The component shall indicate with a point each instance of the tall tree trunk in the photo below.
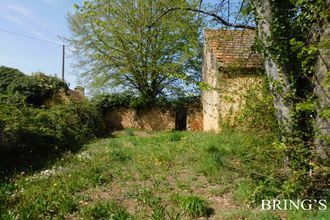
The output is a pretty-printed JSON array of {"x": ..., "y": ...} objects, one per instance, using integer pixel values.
[
  {"x": 278, "y": 81},
  {"x": 322, "y": 91}
]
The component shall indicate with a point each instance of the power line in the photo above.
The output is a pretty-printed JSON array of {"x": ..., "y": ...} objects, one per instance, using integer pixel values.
[
  {"x": 39, "y": 39},
  {"x": 29, "y": 37}
]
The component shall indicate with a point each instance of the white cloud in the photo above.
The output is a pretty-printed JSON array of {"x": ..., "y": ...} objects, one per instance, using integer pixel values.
[
  {"x": 20, "y": 10},
  {"x": 31, "y": 21},
  {"x": 13, "y": 19},
  {"x": 26, "y": 18}
]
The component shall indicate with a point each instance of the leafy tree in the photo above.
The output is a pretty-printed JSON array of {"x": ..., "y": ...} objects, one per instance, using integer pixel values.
[{"x": 118, "y": 47}]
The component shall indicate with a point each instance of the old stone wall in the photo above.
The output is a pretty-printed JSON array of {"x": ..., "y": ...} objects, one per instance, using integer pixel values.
[
  {"x": 154, "y": 119},
  {"x": 151, "y": 119},
  {"x": 232, "y": 96},
  {"x": 210, "y": 96},
  {"x": 195, "y": 119},
  {"x": 225, "y": 104}
]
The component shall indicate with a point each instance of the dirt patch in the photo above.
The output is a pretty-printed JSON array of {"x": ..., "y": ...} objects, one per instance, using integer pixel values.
[{"x": 220, "y": 200}]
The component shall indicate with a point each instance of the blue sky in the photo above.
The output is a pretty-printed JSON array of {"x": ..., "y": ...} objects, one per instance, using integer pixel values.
[{"x": 43, "y": 19}]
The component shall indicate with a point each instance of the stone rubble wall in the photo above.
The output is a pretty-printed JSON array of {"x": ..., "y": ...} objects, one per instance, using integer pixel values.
[
  {"x": 195, "y": 119},
  {"x": 152, "y": 119}
]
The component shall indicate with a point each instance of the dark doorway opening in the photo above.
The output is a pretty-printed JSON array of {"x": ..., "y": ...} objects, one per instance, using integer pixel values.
[{"x": 181, "y": 119}]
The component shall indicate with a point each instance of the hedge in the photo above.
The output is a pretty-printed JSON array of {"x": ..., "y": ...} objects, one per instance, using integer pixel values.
[
  {"x": 7, "y": 76},
  {"x": 28, "y": 133},
  {"x": 37, "y": 88}
]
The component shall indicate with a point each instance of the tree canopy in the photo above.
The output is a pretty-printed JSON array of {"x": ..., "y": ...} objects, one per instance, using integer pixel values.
[{"x": 118, "y": 48}]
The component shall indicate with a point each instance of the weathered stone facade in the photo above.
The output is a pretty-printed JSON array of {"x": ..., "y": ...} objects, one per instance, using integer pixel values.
[
  {"x": 227, "y": 66},
  {"x": 195, "y": 119},
  {"x": 210, "y": 97},
  {"x": 151, "y": 119},
  {"x": 154, "y": 119}
]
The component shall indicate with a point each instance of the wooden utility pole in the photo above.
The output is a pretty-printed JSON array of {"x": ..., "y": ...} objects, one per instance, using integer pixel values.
[{"x": 63, "y": 61}]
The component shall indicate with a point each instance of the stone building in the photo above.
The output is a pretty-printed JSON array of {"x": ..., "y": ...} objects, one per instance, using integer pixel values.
[{"x": 229, "y": 70}]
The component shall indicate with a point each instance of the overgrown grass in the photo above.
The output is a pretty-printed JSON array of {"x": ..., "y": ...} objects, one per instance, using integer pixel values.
[
  {"x": 194, "y": 206},
  {"x": 164, "y": 175},
  {"x": 105, "y": 210}
]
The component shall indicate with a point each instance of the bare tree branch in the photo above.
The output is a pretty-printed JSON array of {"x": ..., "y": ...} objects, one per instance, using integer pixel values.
[{"x": 215, "y": 16}]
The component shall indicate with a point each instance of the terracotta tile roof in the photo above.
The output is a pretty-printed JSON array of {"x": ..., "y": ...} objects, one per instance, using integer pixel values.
[{"x": 233, "y": 47}]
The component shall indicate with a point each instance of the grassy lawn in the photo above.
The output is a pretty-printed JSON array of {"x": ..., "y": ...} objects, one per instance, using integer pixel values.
[{"x": 144, "y": 175}]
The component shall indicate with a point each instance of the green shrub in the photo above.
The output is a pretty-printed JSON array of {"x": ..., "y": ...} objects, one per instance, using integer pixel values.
[
  {"x": 267, "y": 178},
  {"x": 7, "y": 76},
  {"x": 259, "y": 111},
  {"x": 37, "y": 88},
  {"x": 106, "y": 102},
  {"x": 31, "y": 134},
  {"x": 127, "y": 99},
  {"x": 62, "y": 124}
]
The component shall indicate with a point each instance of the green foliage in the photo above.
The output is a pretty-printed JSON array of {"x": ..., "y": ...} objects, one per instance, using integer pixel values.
[
  {"x": 120, "y": 155},
  {"x": 161, "y": 179},
  {"x": 7, "y": 76},
  {"x": 28, "y": 134},
  {"x": 158, "y": 212},
  {"x": 213, "y": 161},
  {"x": 259, "y": 112},
  {"x": 106, "y": 210},
  {"x": 106, "y": 102},
  {"x": 41, "y": 208},
  {"x": 325, "y": 113},
  {"x": 267, "y": 178},
  {"x": 175, "y": 136},
  {"x": 308, "y": 107},
  {"x": 37, "y": 88},
  {"x": 194, "y": 206},
  {"x": 296, "y": 28},
  {"x": 134, "y": 49}
]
